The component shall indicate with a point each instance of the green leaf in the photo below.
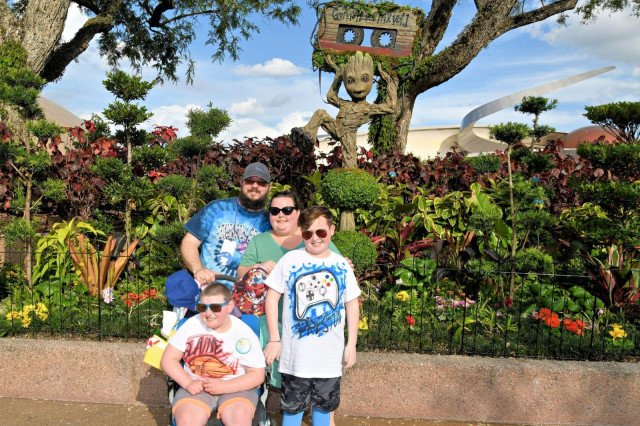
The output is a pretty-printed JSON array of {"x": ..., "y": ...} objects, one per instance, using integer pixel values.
[{"x": 558, "y": 305}]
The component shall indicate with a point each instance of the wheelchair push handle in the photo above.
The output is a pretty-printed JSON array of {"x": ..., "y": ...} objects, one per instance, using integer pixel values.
[{"x": 223, "y": 277}]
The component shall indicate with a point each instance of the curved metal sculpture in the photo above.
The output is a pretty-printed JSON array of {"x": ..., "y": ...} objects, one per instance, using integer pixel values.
[{"x": 471, "y": 142}]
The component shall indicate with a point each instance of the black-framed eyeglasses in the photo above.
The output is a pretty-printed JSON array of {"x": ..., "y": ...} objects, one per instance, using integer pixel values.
[
  {"x": 214, "y": 307},
  {"x": 275, "y": 211},
  {"x": 321, "y": 233}
]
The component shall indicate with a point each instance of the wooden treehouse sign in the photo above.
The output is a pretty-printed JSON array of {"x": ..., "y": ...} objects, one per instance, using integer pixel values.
[{"x": 343, "y": 27}]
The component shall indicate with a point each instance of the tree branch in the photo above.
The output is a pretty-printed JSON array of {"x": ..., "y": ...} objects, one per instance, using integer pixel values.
[
  {"x": 541, "y": 13},
  {"x": 87, "y": 4},
  {"x": 480, "y": 4},
  {"x": 435, "y": 26},
  {"x": 161, "y": 8},
  {"x": 487, "y": 25},
  {"x": 187, "y": 15},
  {"x": 8, "y": 21},
  {"x": 69, "y": 51}
]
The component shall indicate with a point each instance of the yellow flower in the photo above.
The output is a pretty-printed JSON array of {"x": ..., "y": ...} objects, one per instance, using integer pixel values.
[
  {"x": 27, "y": 310},
  {"x": 26, "y": 321},
  {"x": 617, "y": 331},
  {"x": 41, "y": 308},
  {"x": 42, "y": 311},
  {"x": 402, "y": 296},
  {"x": 13, "y": 315},
  {"x": 362, "y": 324}
]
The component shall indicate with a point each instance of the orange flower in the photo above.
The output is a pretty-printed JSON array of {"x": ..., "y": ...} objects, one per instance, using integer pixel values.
[
  {"x": 576, "y": 326},
  {"x": 410, "y": 320},
  {"x": 554, "y": 321},
  {"x": 549, "y": 317}
]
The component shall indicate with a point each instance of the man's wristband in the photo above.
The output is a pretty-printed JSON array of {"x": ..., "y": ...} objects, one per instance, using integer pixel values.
[{"x": 274, "y": 341}]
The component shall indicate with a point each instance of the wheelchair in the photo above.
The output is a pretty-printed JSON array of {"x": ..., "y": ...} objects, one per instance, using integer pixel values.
[{"x": 260, "y": 417}]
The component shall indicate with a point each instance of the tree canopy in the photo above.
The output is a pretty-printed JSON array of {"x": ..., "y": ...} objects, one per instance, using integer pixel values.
[{"x": 154, "y": 33}]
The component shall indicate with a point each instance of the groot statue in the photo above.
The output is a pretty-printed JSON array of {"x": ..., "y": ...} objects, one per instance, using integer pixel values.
[{"x": 357, "y": 75}]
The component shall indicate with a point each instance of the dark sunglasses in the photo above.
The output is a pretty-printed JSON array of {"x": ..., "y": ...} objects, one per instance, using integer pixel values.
[
  {"x": 321, "y": 233},
  {"x": 260, "y": 183},
  {"x": 215, "y": 307},
  {"x": 275, "y": 211}
]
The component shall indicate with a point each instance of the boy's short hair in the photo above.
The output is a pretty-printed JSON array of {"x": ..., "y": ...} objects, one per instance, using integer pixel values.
[
  {"x": 217, "y": 289},
  {"x": 310, "y": 214}
]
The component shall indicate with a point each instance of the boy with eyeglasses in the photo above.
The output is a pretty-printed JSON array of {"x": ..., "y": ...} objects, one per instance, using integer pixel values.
[
  {"x": 223, "y": 363},
  {"x": 320, "y": 296}
]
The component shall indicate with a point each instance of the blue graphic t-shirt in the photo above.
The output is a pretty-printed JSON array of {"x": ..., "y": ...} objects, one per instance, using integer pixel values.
[
  {"x": 315, "y": 291},
  {"x": 225, "y": 228}
]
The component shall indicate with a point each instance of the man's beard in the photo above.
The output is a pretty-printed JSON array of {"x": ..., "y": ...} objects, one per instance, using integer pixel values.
[{"x": 249, "y": 204}]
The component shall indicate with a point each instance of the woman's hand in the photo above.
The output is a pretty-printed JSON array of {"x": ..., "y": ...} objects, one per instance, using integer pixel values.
[{"x": 267, "y": 266}]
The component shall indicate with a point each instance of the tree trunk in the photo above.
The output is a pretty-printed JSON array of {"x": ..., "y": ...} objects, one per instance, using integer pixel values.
[
  {"x": 42, "y": 26},
  {"x": 347, "y": 221},
  {"x": 402, "y": 123},
  {"x": 514, "y": 240},
  {"x": 27, "y": 219}
]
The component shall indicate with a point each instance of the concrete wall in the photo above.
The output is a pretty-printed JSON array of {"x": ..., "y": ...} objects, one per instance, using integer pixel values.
[{"x": 389, "y": 385}]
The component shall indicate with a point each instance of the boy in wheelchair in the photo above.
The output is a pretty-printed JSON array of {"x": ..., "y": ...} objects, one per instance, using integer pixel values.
[{"x": 223, "y": 363}]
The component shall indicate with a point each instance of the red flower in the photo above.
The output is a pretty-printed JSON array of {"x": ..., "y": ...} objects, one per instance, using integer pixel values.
[
  {"x": 576, "y": 326},
  {"x": 553, "y": 322},
  {"x": 549, "y": 317},
  {"x": 410, "y": 320},
  {"x": 508, "y": 302}
]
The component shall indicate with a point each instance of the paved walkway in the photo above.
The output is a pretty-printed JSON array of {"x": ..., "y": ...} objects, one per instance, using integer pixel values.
[{"x": 18, "y": 412}]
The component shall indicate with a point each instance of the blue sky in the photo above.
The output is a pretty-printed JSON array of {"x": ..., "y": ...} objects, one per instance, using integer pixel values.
[{"x": 272, "y": 88}]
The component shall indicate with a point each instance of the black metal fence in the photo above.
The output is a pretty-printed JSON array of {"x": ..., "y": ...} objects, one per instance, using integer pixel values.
[{"x": 436, "y": 311}]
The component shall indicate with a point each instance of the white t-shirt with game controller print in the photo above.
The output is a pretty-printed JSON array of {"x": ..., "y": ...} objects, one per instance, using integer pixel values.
[{"x": 315, "y": 291}]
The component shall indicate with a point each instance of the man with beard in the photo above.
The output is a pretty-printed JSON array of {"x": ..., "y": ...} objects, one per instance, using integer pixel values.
[{"x": 224, "y": 228}]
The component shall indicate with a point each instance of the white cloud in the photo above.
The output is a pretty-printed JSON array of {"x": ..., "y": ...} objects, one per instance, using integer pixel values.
[
  {"x": 611, "y": 37},
  {"x": 273, "y": 67},
  {"x": 75, "y": 20},
  {"x": 243, "y": 128},
  {"x": 170, "y": 115},
  {"x": 291, "y": 120},
  {"x": 249, "y": 107}
]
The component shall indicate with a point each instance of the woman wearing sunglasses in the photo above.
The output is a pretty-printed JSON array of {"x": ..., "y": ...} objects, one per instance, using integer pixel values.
[{"x": 266, "y": 249}]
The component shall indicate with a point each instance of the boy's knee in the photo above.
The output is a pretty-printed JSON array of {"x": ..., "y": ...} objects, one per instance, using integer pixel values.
[
  {"x": 239, "y": 413},
  {"x": 190, "y": 414}
]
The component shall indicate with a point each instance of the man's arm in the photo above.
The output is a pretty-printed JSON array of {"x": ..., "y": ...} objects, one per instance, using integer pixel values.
[
  {"x": 352, "y": 308},
  {"x": 189, "y": 249}
]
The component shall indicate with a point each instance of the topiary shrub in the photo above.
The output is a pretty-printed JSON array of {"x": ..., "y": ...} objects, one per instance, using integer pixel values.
[
  {"x": 485, "y": 163},
  {"x": 349, "y": 189},
  {"x": 357, "y": 247}
]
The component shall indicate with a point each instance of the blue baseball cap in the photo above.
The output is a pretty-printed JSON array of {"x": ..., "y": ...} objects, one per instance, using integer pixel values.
[{"x": 182, "y": 290}]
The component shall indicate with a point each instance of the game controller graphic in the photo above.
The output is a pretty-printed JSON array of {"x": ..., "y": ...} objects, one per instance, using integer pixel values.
[{"x": 315, "y": 288}]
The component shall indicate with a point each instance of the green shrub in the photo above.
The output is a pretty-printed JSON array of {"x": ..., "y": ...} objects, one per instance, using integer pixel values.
[
  {"x": 485, "y": 163},
  {"x": 349, "y": 189},
  {"x": 533, "y": 260},
  {"x": 357, "y": 247}
]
